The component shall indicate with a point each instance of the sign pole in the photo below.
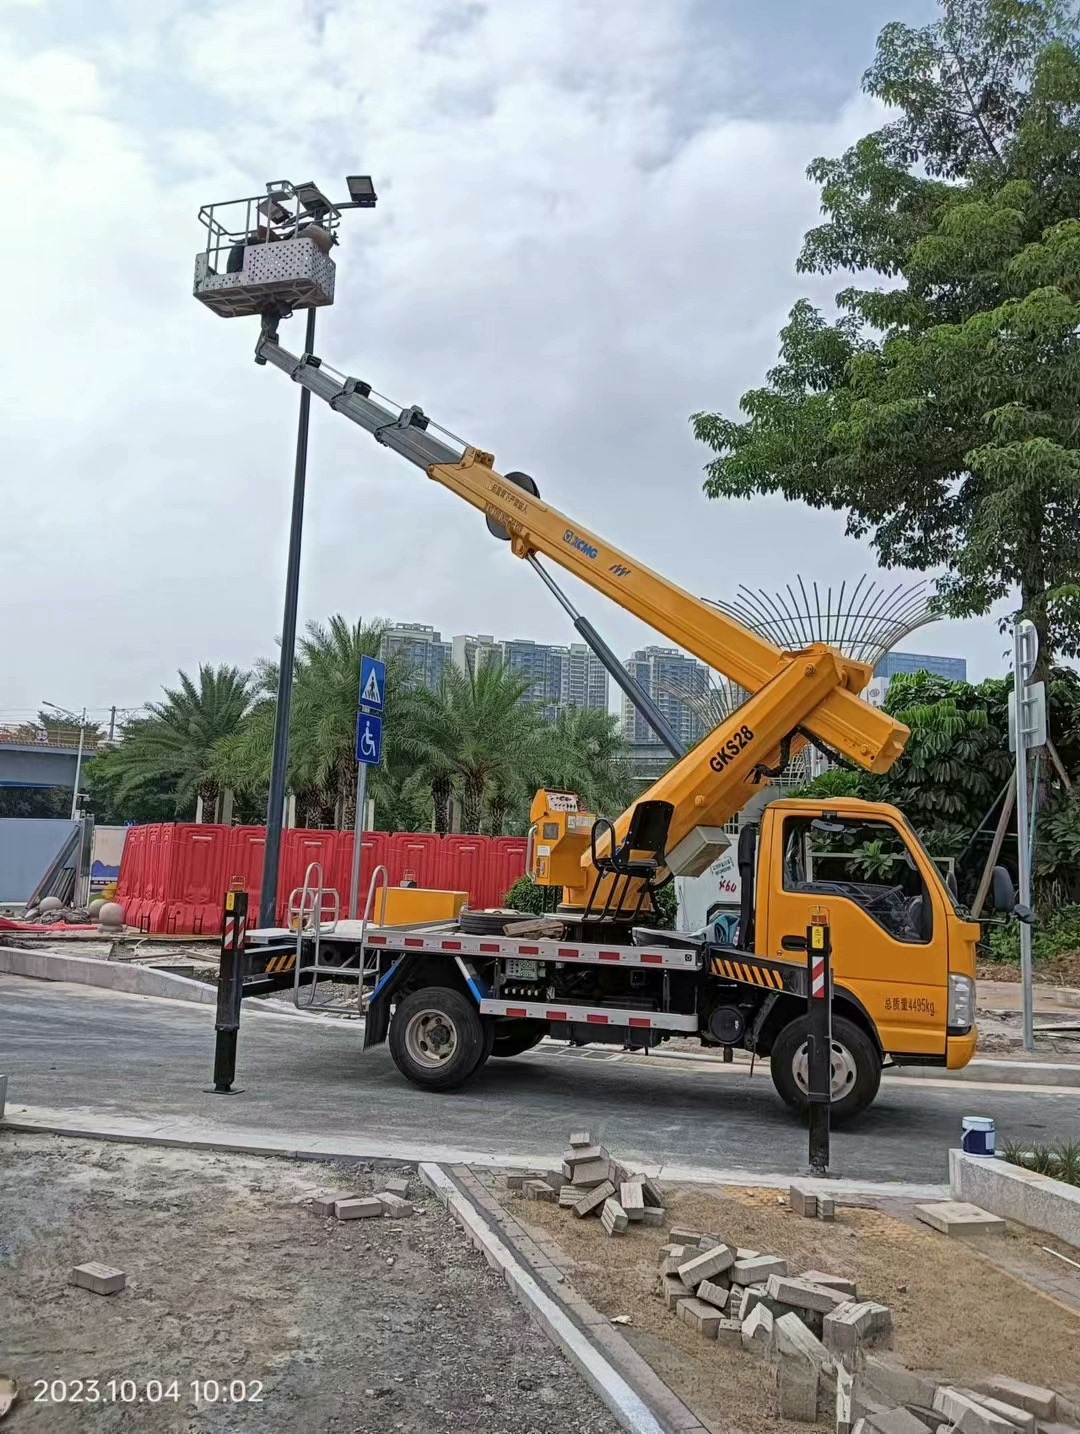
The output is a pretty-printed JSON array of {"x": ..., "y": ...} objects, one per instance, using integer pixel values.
[
  {"x": 358, "y": 840},
  {"x": 1025, "y": 651},
  {"x": 819, "y": 1040},
  {"x": 368, "y": 754}
]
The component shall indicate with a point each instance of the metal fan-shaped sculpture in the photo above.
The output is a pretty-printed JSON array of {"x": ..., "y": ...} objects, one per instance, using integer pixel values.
[{"x": 864, "y": 620}]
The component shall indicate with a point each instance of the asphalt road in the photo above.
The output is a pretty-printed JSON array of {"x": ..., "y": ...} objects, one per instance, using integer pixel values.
[{"x": 77, "y": 1048}]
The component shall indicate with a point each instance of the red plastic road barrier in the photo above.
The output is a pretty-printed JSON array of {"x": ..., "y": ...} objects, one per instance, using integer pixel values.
[{"x": 174, "y": 875}]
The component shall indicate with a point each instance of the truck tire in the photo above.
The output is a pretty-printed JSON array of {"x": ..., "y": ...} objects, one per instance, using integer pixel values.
[
  {"x": 856, "y": 1067},
  {"x": 438, "y": 1039},
  {"x": 488, "y": 923},
  {"x": 514, "y": 1038}
]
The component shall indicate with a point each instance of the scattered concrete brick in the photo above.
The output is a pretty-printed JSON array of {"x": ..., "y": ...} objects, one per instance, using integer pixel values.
[
  {"x": 845, "y": 1384},
  {"x": 892, "y": 1385},
  {"x": 653, "y": 1214},
  {"x": 580, "y": 1140},
  {"x": 594, "y": 1199},
  {"x": 364, "y": 1207},
  {"x": 681, "y": 1235},
  {"x": 729, "y": 1332},
  {"x": 757, "y": 1270},
  {"x": 519, "y": 1177},
  {"x": 1037, "y": 1401},
  {"x": 706, "y": 1265},
  {"x": 591, "y": 1173},
  {"x": 394, "y": 1205},
  {"x": 327, "y": 1204},
  {"x": 676, "y": 1255},
  {"x": 713, "y": 1294},
  {"x": 793, "y": 1338},
  {"x": 555, "y": 1178},
  {"x": 1021, "y": 1419},
  {"x": 653, "y": 1192},
  {"x": 801, "y": 1295},
  {"x": 672, "y": 1290},
  {"x": 802, "y": 1202},
  {"x": 754, "y": 1295},
  {"x": 854, "y": 1325},
  {"x": 1052, "y": 1428},
  {"x": 699, "y": 1316},
  {"x": 960, "y": 1220},
  {"x": 569, "y": 1195},
  {"x": 757, "y": 1331},
  {"x": 826, "y": 1207},
  {"x": 400, "y": 1187},
  {"x": 613, "y": 1216},
  {"x": 736, "y": 1305},
  {"x": 539, "y": 1190},
  {"x": 617, "y": 1174},
  {"x": 831, "y": 1282},
  {"x": 102, "y": 1279},
  {"x": 741, "y": 1254},
  {"x": 967, "y": 1414},
  {"x": 632, "y": 1199},
  {"x": 898, "y": 1421},
  {"x": 579, "y": 1155},
  {"x": 797, "y": 1384}
]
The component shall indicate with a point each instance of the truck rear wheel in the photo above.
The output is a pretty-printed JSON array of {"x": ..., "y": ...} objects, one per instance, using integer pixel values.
[
  {"x": 856, "y": 1067},
  {"x": 514, "y": 1038},
  {"x": 438, "y": 1039}
]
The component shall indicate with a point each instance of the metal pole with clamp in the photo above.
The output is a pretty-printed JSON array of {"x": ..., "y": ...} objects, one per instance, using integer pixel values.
[
  {"x": 819, "y": 1038},
  {"x": 230, "y": 989}
]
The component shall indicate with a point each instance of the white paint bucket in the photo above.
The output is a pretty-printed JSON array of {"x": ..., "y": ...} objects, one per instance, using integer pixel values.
[{"x": 979, "y": 1135}]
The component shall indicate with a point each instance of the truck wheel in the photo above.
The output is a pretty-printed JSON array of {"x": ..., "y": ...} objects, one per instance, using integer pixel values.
[
  {"x": 514, "y": 1038},
  {"x": 856, "y": 1067},
  {"x": 437, "y": 1038}
]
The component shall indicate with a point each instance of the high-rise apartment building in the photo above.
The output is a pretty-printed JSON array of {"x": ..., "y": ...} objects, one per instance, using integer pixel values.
[
  {"x": 666, "y": 673},
  {"x": 584, "y": 678},
  {"x": 893, "y": 663},
  {"x": 423, "y": 649},
  {"x": 468, "y": 653}
]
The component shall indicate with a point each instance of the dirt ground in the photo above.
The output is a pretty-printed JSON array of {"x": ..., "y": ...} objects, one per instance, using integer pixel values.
[
  {"x": 364, "y": 1327},
  {"x": 956, "y": 1314}
]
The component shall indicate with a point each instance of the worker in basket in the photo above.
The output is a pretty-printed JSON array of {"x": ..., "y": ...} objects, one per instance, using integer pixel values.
[{"x": 267, "y": 233}]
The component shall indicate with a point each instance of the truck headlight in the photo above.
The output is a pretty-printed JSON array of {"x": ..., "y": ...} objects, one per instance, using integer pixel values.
[{"x": 961, "y": 1003}]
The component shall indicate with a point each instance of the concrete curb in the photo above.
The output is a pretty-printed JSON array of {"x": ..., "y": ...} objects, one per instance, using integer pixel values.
[
  {"x": 131, "y": 979},
  {"x": 110, "y": 975},
  {"x": 91, "y": 1125},
  {"x": 631, "y": 1411},
  {"x": 1037, "y": 1201}
]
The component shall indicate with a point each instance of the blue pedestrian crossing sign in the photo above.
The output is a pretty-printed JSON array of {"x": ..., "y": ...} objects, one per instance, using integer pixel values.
[
  {"x": 368, "y": 739},
  {"x": 372, "y": 683}
]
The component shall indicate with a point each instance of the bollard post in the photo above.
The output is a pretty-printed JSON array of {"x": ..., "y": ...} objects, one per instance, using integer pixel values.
[
  {"x": 230, "y": 989},
  {"x": 819, "y": 1038}
]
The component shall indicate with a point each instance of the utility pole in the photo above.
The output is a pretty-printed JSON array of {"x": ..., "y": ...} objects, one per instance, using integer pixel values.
[{"x": 1028, "y": 730}]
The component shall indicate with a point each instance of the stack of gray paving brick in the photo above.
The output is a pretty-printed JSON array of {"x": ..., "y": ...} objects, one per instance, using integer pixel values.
[{"x": 591, "y": 1182}]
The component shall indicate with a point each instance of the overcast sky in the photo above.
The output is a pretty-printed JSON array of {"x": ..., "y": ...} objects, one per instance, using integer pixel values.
[{"x": 589, "y": 212}]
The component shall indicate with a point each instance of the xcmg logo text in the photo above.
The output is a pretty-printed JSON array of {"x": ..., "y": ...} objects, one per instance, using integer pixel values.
[{"x": 579, "y": 543}]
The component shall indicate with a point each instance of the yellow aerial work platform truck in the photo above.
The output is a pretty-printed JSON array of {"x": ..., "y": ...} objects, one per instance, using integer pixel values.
[{"x": 450, "y": 997}]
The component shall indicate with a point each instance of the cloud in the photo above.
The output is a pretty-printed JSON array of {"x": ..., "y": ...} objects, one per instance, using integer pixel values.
[{"x": 578, "y": 243}]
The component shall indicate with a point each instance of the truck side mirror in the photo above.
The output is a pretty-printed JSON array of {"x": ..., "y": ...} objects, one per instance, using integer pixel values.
[
  {"x": 1002, "y": 890},
  {"x": 1024, "y": 914}
]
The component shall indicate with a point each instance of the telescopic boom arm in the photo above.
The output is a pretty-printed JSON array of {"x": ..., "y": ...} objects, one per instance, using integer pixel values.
[{"x": 839, "y": 718}]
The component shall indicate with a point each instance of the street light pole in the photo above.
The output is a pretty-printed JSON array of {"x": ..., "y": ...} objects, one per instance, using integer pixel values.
[
  {"x": 275, "y": 804},
  {"x": 78, "y": 767}
]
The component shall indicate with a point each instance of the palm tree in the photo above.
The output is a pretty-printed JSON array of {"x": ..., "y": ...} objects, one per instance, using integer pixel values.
[
  {"x": 322, "y": 737},
  {"x": 480, "y": 741},
  {"x": 175, "y": 743},
  {"x": 586, "y": 753}
]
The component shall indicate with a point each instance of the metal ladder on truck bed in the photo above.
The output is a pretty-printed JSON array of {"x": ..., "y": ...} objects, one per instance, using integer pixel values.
[{"x": 307, "y": 905}]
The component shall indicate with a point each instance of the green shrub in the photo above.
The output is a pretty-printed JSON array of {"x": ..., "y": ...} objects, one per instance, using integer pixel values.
[
  {"x": 1058, "y": 935},
  {"x": 525, "y": 895},
  {"x": 1061, "y": 1160}
]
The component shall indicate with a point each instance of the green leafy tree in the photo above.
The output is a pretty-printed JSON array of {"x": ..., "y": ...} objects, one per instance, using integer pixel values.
[
  {"x": 173, "y": 747},
  {"x": 938, "y": 409}
]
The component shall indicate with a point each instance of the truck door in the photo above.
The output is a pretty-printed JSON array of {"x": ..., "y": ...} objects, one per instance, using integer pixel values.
[{"x": 889, "y": 927}]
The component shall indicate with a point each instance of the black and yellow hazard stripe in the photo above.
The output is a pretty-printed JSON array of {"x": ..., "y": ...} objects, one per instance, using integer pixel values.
[
  {"x": 281, "y": 963},
  {"x": 749, "y": 973}
]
